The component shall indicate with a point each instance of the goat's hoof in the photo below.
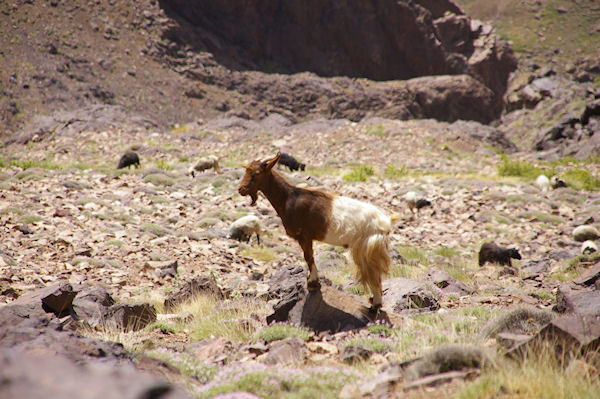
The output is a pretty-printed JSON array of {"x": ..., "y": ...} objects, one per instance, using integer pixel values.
[
  {"x": 374, "y": 309},
  {"x": 313, "y": 285}
]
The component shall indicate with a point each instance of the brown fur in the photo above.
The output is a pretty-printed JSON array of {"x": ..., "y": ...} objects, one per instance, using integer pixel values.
[{"x": 303, "y": 212}]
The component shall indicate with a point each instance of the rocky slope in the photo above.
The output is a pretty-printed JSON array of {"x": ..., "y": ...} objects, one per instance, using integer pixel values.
[
  {"x": 175, "y": 61},
  {"x": 97, "y": 264}
]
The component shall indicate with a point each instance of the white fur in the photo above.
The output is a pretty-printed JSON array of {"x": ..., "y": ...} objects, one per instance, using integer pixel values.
[
  {"x": 589, "y": 247},
  {"x": 248, "y": 224},
  {"x": 352, "y": 221},
  {"x": 543, "y": 183},
  {"x": 207, "y": 162},
  {"x": 364, "y": 229}
]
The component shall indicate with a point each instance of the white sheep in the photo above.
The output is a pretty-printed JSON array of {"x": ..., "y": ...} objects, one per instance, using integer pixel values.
[
  {"x": 207, "y": 162},
  {"x": 543, "y": 183},
  {"x": 585, "y": 232},
  {"x": 588, "y": 247},
  {"x": 244, "y": 227}
]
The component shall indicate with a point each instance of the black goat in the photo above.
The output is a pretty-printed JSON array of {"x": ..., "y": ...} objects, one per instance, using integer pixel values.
[
  {"x": 128, "y": 159},
  {"x": 290, "y": 162},
  {"x": 490, "y": 252}
]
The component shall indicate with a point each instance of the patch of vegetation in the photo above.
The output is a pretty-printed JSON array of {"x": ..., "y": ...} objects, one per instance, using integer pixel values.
[
  {"x": 574, "y": 266},
  {"x": 276, "y": 382},
  {"x": 177, "y": 128},
  {"x": 215, "y": 317},
  {"x": 360, "y": 173},
  {"x": 158, "y": 179},
  {"x": 115, "y": 243},
  {"x": 380, "y": 328},
  {"x": 208, "y": 222},
  {"x": 415, "y": 253},
  {"x": 521, "y": 169},
  {"x": 378, "y": 344},
  {"x": 163, "y": 164},
  {"x": 540, "y": 217},
  {"x": 446, "y": 252},
  {"x": 13, "y": 210},
  {"x": 323, "y": 170},
  {"x": 393, "y": 172},
  {"x": 409, "y": 270},
  {"x": 539, "y": 375},
  {"x": 163, "y": 327},
  {"x": 30, "y": 163},
  {"x": 155, "y": 229},
  {"x": 259, "y": 253},
  {"x": 279, "y": 331},
  {"x": 31, "y": 219},
  {"x": 30, "y": 174},
  {"x": 375, "y": 130},
  {"x": 581, "y": 179},
  {"x": 187, "y": 365}
]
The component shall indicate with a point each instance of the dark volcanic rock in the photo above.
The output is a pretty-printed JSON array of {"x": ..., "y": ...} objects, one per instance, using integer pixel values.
[
  {"x": 56, "y": 298},
  {"x": 130, "y": 317},
  {"x": 35, "y": 376},
  {"x": 403, "y": 294},
  {"x": 327, "y": 309}
]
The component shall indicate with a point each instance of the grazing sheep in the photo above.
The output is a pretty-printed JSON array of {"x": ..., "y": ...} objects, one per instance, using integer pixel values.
[
  {"x": 585, "y": 232},
  {"x": 244, "y": 227},
  {"x": 204, "y": 163},
  {"x": 543, "y": 183},
  {"x": 490, "y": 252},
  {"x": 557, "y": 182},
  {"x": 414, "y": 202},
  {"x": 128, "y": 159},
  {"x": 291, "y": 162},
  {"x": 310, "y": 214},
  {"x": 588, "y": 247}
]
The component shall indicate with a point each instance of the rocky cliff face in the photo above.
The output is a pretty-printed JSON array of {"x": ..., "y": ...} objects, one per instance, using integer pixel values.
[{"x": 377, "y": 40}]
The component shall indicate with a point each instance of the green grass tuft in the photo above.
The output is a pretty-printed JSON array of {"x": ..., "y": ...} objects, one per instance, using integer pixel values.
[
  {"x": 393, "y": 172},
  {"x": 521, "y": 169},
  {"x": 279, "y": 331},
  {"x": 360, "y": 173},
  {"x": 581, "y": 179}
]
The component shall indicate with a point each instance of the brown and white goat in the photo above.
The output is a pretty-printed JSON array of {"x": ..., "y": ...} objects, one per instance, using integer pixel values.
[{"x": 309, "y": 214}]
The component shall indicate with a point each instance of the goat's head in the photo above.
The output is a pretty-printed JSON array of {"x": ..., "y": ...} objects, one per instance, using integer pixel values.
[
  {"x": 514, "y": 253},
  {"x": 256, "y": 176}
]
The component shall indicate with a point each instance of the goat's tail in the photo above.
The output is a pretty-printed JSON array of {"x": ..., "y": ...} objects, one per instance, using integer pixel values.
[{"x": 372, "y": 260}]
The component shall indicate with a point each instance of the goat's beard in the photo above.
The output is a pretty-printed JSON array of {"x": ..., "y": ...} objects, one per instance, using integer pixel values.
[{"x": 254, "y": 197}]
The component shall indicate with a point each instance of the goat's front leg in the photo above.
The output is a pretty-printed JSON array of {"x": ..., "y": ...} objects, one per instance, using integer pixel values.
[{"x": 312, "y": 284}]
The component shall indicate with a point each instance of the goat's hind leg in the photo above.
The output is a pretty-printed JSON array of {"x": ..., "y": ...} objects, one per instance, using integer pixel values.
[
  {"x": 376, "y": 299},
  {"x": 312, "y": 283}
]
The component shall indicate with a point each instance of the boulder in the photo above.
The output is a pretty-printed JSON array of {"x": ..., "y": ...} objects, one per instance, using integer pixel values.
[
  {"x": 199, "y": 285},
  {"x": 130, "y": 317},
  {"x": 56, "y": 298},
  {"x": 27, "y": 374},
  {"x": 402, "y": 294}
]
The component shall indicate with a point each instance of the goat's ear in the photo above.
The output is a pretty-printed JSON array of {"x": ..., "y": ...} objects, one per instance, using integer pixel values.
[{"x": 273, "y": 161}]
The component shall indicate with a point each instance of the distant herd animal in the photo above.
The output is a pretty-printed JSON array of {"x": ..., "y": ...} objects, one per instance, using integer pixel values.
[
  {"x": 128, "y": 159},
  {"x": 490, "y": 252},
  {"x": 243, "y": 228},
  {"x": 291, "y": 162},
  {"x": 315, "y": 215}
]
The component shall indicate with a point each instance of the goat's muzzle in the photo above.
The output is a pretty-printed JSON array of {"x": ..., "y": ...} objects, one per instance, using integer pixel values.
[{"x": 244, "y": 191}]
